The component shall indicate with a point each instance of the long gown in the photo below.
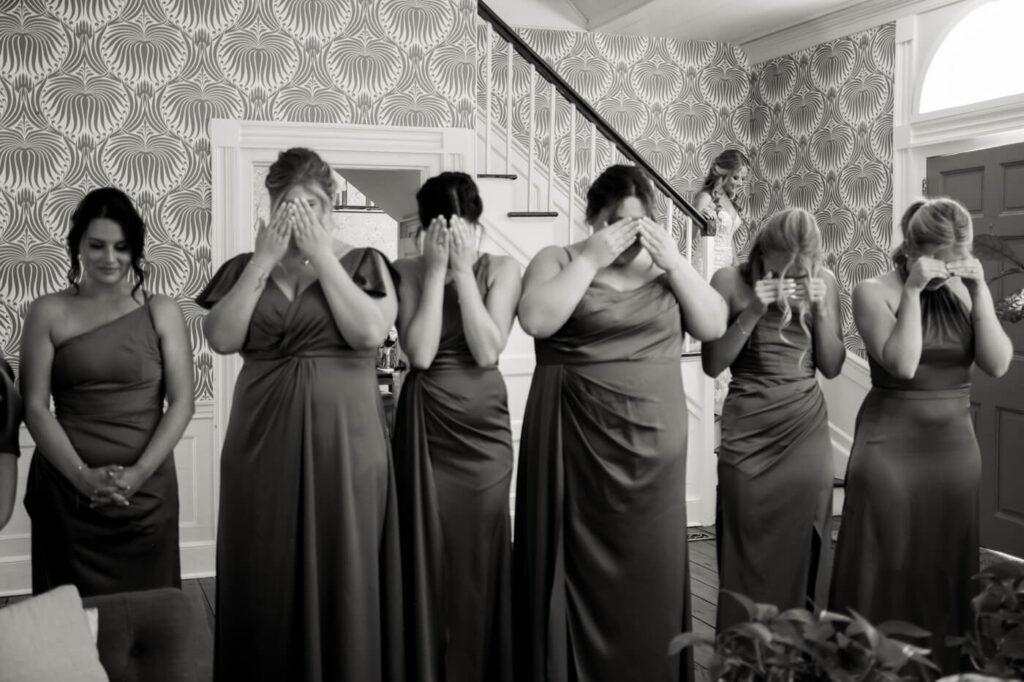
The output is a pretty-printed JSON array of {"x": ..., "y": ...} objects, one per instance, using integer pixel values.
[
  {"x": 308, "y": 574},
  {"x": 453, "y": 466},
  {"x": 600, "y": 573},
  {"x": 908, "y": 543},
  {"x": 108, "y": 391},
  {"x": 774, "y": 474}
]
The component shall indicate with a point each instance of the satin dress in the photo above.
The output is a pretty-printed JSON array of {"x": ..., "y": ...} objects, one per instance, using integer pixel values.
[
  {"x": 775, "y": 474},
  {"x": 908, "y": 543},
  {"x": 600, "y": 573},
  {"x": 308, "y": 565},
  {"x": 108, "y": 393},
  {"x": 453, "y": 465}
]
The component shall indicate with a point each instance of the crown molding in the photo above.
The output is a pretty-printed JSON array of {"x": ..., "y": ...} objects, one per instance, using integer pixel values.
[{"x": 844, "y": 22}]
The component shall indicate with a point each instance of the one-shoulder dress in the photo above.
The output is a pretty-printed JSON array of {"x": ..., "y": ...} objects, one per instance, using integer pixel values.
[
  {"x": 453, "y": 465},
  {"x": 600, "y": 574},
  {"x": 908, "y": 542},
  {"x": 308, "y": 566},
  {"x": 775, "y": 474},
  {"x": 108, "y": 393}
]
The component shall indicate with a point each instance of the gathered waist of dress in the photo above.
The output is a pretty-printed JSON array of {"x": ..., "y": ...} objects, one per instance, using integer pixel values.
[
  {"x": 443, "y": 364},
  {"x": 758, "y": 382},
  {"x": 955, "y": 393},
  {"x": 107, "y": 402},
  {"x": 344, "y": 354},
  {"x": 572, "y": 359}
]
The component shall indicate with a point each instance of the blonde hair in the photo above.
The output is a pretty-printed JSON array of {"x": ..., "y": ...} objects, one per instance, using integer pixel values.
[
  {"x": 941, "y": 221},
  {"x": 792, "y": 231}
]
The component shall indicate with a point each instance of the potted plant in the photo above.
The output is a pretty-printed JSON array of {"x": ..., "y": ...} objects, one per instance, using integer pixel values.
[
  {"x": 797, "y": 645},
  {"x": 996, "y": 642}
]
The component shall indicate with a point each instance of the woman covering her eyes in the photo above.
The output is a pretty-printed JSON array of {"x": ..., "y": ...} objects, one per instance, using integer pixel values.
[
  {"x": 308, "y": 574},
  {"x": 775, "y": 461},
  {"x": 908, "y": 545},
  {"x": 599, "y": 562},
  {"x": 102, "y": 490},
  {"x": 453, "y": 444}
]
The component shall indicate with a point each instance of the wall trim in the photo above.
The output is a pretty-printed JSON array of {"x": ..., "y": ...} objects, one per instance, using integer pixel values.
[{"x": 839, "y": 24}]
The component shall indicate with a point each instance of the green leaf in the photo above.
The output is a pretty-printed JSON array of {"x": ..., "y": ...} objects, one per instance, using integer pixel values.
[
  {"x": 756, "y": 631},
  {"x": 686, "y": 640},
  {"x": 903, "y": 629},
  {"x": 746, "y": 602},
  {"x": 861, "y": 625}
]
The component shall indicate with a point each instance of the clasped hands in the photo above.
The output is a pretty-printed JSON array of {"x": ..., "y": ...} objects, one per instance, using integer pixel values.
[
  {"x": 449, "y": 243},
  {"x": 607, "y": 243},
  {"x": 293, "y": 219},
  {"x": 926, "y": 269},
  {"x": 110, "y": 485}
]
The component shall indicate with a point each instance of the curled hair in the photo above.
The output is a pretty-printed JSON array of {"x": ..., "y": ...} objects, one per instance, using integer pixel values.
[
  {"x": 793, "y": 231},
  {"x": 932, "y": 222},
  {"x": 726, "y": 163},
  {"x": 450, "y": 193},
  {"x": 614, "y": 185},
  {"x": 112, "y": 204},
  {"x": 298, "y": 166}
]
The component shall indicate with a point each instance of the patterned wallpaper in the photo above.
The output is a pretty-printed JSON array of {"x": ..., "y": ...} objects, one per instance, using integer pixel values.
[
  {"x": 96, "y": 92},
  {"x": 819, "y": 124},
  {"x": 675, "y": 101}
]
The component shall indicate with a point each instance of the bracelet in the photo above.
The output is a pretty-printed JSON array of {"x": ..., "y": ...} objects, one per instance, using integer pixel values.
[
  {"x": 740, "y": 325},
  {"x": 262, "y": 271}
]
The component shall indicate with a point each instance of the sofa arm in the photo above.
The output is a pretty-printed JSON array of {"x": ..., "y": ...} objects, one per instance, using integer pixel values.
[{"x": 147, "y": 636}]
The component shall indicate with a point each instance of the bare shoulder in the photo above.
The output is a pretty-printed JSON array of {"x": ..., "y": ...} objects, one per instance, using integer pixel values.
[
  {"x": 504, "y": 265},
  {"x": 884, "y": 289},
  {"x": 701, "y": 200},
  {"x": 164, "y": 305},
  {"x": 49, "y": 307},
  {"x": 554, "y": 254},
  {"x": 828, "y": 276}
]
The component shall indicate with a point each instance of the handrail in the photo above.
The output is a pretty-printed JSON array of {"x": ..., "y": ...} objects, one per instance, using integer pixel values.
[{"x": 552, "y": 77}]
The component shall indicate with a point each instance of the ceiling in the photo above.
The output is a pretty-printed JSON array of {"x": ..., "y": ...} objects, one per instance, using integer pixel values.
[{"x": 759, "y": 26}]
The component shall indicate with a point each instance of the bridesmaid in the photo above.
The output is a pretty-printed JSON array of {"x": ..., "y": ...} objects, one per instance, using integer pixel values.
[
  {"x": 775, "y": 470},
  {"x": 11, "y": 414},
  {"x": 600, "y": 561},
  {"x": 908, "y": 545},
  {"x": 102, "y": 490},
  {"x": 453, "y": 445},
  {"x": 308, "y": 575}
]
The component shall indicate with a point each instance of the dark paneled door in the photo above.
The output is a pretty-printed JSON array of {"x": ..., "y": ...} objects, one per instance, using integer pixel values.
[{"x": 990, "y": 183}]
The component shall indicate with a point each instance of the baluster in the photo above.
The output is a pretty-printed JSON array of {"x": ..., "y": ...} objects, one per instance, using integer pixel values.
[
  {"x": 669, "y": 215},
  {"x": 572, "y": 170},
  {"x": 529, "y": 139},
  {"x": 593, "y": 154},
  {"x": 551, "y": 145},
  {"x": 488, "y": 89},
  {"x": 688, "y": 252},
  {"x": 508, "y": 114}
]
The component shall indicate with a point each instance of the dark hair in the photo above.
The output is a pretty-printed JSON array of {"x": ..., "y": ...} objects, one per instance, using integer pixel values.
[
  {"x": 112, "y": 204},
  {"x": 614, "y": 185},
  {"x": 725, "y": 163},
  {"x": 450, "y": 193},
  {"x": 298, "y": 166}
]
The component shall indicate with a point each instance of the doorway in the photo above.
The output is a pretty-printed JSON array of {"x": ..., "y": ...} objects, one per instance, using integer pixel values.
[{"x": 990, "y": 183}]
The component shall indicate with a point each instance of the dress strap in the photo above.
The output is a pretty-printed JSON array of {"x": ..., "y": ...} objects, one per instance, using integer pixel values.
[{"x": 568, "y": 252}]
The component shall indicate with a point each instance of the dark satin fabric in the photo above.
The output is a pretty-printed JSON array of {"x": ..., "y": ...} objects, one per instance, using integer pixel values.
[
  {"x": 453, "y": 466},
  {"x": 108, "y": 391},
  {"x": 600, "y": 572},
  {"x": 908, "y": 544},
  {"x": 774, "y": 475},
  {"x": 308, "y": 574},
  {"x": 10, "y": 410}
]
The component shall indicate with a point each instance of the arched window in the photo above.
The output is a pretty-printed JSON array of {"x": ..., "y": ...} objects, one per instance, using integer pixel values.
[{"x": 979, "y": 60}]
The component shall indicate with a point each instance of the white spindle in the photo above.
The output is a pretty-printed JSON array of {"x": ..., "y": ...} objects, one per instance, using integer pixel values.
[
  {"x": 593, "y": 154},
  {"x": 529, "y": 139},
  {"x": 572, "y": 171},
  {"x": 688, "y": 252},
  {"x": 489, "y": 90},
  {"x": 551, "y": 146},
  {"x": 508, "y": 114},
  {"x": 669, "y": 215}
]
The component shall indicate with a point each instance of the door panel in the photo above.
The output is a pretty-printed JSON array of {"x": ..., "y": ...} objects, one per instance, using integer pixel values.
[{"x": 990, "y": 183}]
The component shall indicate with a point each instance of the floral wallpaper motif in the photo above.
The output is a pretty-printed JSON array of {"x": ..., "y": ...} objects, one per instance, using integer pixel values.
[
  {"x": 819, "y": 125},
  {"x": 97, "y": 92},
  {"x": 672, "y": 100}
]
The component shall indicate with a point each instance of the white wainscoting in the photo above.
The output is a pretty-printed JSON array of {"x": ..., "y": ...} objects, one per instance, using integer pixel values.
[
  {"x": 197, "y": 486},
  {"x": 843, "y": 395}
]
